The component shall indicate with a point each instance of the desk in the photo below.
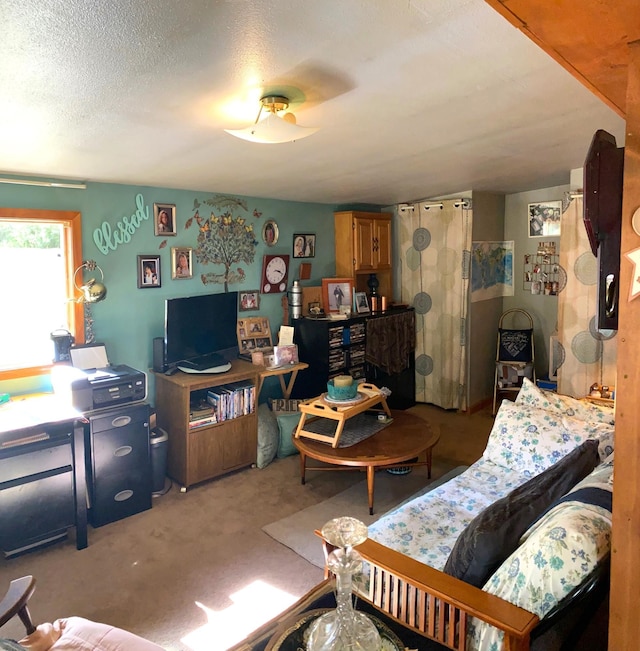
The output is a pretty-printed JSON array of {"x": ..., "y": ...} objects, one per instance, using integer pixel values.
[
  {"x": 281, "y": 372},
  {"x": 42, "y": 490}
]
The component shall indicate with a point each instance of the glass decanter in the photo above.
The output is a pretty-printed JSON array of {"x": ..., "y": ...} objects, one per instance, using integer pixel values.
[{"x": 344, "y": 629}]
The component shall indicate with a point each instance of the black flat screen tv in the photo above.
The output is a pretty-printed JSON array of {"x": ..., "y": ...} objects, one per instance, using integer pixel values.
[{"x": 201, "y": 326}]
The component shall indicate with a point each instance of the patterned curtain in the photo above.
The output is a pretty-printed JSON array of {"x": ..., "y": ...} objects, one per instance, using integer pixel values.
[
  {"x": 435, "y": 251},
  {"x": 585, "y": 354}
]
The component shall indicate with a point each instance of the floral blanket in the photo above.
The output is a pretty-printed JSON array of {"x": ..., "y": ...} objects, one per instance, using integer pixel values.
[{"x": 427, "y": 527}]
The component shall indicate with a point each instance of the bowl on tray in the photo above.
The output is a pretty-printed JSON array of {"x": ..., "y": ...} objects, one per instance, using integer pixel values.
[{"x": 339, "y": 391}]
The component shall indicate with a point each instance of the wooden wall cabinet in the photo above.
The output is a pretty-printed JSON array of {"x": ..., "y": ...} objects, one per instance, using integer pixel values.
[
  {"x": 202, "y": 453},
  {"x": 363, "y": 246}
]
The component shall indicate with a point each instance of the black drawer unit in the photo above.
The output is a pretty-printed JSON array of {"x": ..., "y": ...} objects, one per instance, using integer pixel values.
[
  {"x": 37, "y": 499},
  {"x": 118, "y": 463}
]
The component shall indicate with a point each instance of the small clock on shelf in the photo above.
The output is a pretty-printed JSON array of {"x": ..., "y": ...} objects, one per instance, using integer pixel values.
[{"x": 275, "y": 273}]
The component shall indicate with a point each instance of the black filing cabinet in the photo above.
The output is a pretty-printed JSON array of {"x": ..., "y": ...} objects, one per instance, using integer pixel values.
[{"x": 118, "y": 463}]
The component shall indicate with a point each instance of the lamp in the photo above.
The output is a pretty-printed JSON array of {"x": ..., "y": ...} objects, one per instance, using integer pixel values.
[
  {"x": 92, "y": 291},
  {"x": 273, "y": 128}
]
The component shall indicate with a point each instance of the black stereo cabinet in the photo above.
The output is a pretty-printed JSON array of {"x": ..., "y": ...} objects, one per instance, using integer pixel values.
[
  {"x": 118, "y": 460},
  {"x": 338, "y": 347}
]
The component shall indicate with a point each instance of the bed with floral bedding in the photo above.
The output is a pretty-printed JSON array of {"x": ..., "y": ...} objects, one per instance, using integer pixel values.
[{"x": 477, "y": 562}]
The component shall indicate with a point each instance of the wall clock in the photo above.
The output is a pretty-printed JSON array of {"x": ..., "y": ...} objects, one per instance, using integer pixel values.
[{"x": 275, "y": 272}]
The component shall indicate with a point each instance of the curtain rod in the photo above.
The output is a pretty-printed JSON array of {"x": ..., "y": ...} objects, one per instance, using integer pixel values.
[{"x": 45, "y": 184}]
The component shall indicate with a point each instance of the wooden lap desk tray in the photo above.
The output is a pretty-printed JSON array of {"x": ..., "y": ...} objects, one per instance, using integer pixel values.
[{"x": 322, "y": 408}]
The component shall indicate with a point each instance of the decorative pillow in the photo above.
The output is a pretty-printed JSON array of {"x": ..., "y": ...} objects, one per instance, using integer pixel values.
[
  {"x": 268, "y": 436},
  {"x": 287, "y": 423},
  {"x": 530, "y": 440},
  {"x": 534, "y": 396},
  {"x": 495, "y": 532},
  {"x": 559, "y": 554}
]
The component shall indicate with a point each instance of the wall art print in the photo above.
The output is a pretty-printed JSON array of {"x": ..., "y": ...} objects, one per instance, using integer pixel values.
[
  {"x": 491, "y": 270},
  {"x": 223, "y": 239}
]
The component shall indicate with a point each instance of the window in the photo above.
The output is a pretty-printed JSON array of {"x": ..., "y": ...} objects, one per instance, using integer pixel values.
[{"x": 40, "y": 250}]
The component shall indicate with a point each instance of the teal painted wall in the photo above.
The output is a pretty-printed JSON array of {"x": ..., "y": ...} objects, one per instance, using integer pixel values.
[{"x": 130, "y": 318}]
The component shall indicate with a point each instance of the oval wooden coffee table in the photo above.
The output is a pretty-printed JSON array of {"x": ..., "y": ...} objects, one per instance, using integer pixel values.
[{"x": 408, "y": 436}]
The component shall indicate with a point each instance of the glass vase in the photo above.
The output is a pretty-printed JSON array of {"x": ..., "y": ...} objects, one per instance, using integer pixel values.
[{"x": 344, "y": 629}]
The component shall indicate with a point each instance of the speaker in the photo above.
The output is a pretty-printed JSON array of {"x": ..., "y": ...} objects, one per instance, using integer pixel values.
[{"x": 159, "y": 358}]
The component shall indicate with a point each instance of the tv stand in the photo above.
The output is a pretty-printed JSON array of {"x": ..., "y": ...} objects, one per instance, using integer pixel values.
[
  {"x": 223, "y": 368},
  {"x": 202, "y": 452}
]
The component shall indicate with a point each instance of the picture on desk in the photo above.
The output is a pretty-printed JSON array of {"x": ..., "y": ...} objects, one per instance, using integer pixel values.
[{"x": 253, "y": 333}]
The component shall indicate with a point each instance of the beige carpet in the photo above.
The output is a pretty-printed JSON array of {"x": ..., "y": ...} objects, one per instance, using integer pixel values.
[{"x": 296, "y": 531}]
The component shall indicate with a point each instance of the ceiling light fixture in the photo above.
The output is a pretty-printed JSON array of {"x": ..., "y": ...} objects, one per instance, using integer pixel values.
[{"x": 273, "y": 129}]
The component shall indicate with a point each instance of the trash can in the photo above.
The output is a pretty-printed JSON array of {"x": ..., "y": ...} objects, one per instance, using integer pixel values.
[{"x": 159, "y": 440}]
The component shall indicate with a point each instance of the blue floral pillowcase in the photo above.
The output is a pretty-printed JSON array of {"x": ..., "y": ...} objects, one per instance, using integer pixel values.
[
  {"x": 532, "y": 395},
  {"x": 529, "y": 439}
]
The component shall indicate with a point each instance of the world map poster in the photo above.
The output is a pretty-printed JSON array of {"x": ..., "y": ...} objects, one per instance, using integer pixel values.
[{"x": 491, "y": 270}]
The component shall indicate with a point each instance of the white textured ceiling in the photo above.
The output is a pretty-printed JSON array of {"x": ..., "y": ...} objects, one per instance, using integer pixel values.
[{"x": 414, "y": 98}]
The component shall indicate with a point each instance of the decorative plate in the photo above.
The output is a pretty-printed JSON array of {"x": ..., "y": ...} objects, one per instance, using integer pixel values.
[
  {"x": 344, "y": 403},
  {"x": 292, "y": 636}
]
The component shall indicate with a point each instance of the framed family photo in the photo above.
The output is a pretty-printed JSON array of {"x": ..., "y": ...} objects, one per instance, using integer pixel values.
[
  {"x": 181, "y": 262},
  {"x": 362, "y": 302},
  {"x": 248, "y": 300},
  {"x": 164, "y": 219},
  {"x": 304, "y": 245},
  {"x": 544, "y": 219},
  {"x": 149, "y": 271},
  {"x": 336, "y": 293}
]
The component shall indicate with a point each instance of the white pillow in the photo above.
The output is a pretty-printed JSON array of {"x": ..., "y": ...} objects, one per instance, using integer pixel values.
[
  {"x": 532, "y": 395},
  {"x": 530, "y": 440}
]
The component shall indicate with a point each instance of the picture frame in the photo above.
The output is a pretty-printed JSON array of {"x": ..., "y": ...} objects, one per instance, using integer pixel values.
[
  {"x": 254, "y": 334},
  {"x": 361, "y": 302},
  {"x": 270, "y": 233},
  {"x": 181, "y": 262},
  {"x": 248, "y": 300},
  {"x": 164, "y": 219},
  {"x": 544, "y": 218},
  {"x": 336, "y": 292},
  {"x": 304, "y": 245},
  {"x": 149, "y": 272}
]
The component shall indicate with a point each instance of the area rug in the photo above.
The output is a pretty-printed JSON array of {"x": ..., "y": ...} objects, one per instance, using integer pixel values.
[{"x": 296, "y": 530}]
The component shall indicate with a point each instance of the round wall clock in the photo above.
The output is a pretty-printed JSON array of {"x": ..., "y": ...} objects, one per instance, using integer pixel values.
[
  {"x": 270, "y": 232},
  {"x": 275, "y": 272}
]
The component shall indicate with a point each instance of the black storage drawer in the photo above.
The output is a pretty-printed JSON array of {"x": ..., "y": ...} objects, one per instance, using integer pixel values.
[
  {"x": 120, "y": 495},
  {"x": 120, "y": 449},
  {"x": 119, "y": 417}
]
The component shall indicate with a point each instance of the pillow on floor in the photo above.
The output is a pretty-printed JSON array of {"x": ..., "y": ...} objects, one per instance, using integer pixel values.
[
  {"x": 495, "y": 532},
  {"x": 532, "y": 395},
  {"x": 530, "y": 440},
  {"x": 268, "y": 436},
  {"x": 287, "y": 423}
]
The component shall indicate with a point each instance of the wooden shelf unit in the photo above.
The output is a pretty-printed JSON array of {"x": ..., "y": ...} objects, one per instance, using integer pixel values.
[{"x": 202, "y": 453}]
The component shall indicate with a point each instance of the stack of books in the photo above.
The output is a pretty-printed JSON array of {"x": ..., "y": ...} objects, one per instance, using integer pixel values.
[{"x": 201, "y": 414}]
